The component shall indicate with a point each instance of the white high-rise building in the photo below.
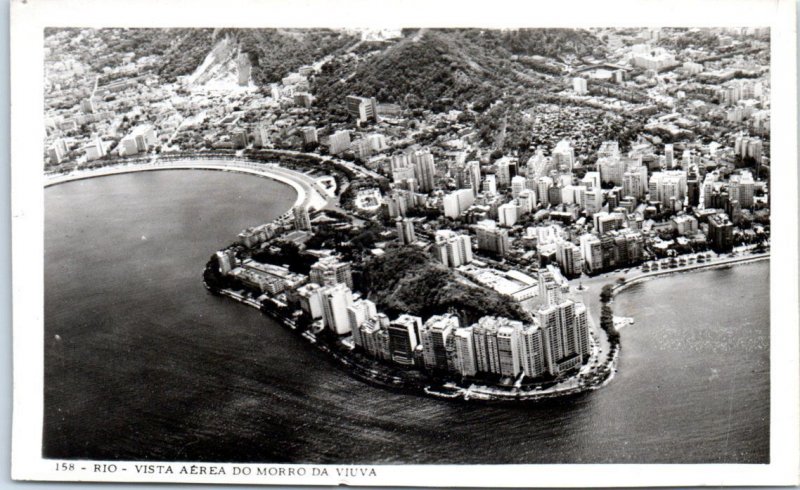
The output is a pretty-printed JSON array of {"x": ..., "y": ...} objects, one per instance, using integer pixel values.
[
  {"x": 453, "y": 249},
  {"x": 466, "y": 364},
  {"x": 517, "y": 186},
  {"x": 668, "y": 185},
  {"x": 569, "y": 258},
  {"x": 531, "y": 349},
  {"x": 507, "y": 214},
  {"x": 508, "y": 349},
  {"x": 592, "y": 253},
  {"x": 358, "y": 313},
  {"x": 335, "y": 302},
  {"x": 405, "y": 231},
  {"x": 457, "y": 202}
]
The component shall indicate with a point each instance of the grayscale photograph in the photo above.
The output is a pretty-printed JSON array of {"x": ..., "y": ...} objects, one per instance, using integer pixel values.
[
  {"x": 410, "y": 245},
  {"x": 278, "y": 245}
]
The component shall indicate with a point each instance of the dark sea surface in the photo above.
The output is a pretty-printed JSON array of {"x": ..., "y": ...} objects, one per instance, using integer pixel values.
[{"x": 149, "y": 366}]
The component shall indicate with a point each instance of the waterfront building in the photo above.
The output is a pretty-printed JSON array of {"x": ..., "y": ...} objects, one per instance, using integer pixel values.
[
  {"x": 565, "y": 336},
  {"x": 309, "y": 296},
  {"x": 457, "y": 202},
  {"x": 362, "y": 108},
  {"x": 357, "y": 314},
  {"x": 57, "y": 152},
  {"x": 531, "y": 351},
  {"x": 434, "y": 337},
  {"x": 94, "y": 149},
  {"x": 339, "y": 142},
  {"x": 453, "y": 249},
  {"x": 239, "y": 138},
  {"x": 329, "y": 271},
  {"x": 335, "y": 302},
  {"x": 491, "y": 238},
  {"x": 720, "y": 232},
  {"x": 592, "y": 253},
  {"x": 569, "y": 258},
  {"x": 403, "y": 338},
  {"x": 465, "y": 361},
  {"x": 405, "y": 231},
  {"x": 485, "y": 339},
  {"x": 508, "y": 348},
  {"x": 226, "y": 260},
  {"x": 302, "y": 220}
]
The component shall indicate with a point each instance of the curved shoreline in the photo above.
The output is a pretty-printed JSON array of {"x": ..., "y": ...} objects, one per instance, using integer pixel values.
[
  {"x": 303, "y": 185},
  {"x": 618, "y": 288}
]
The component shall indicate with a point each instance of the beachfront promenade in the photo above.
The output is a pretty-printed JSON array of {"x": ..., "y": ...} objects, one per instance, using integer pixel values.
[{"x": 310, "y": 193}]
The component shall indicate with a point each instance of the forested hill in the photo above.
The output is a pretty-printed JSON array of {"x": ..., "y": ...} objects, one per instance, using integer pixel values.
[
  {"x": 445, "y": 68},
  {"x": 429, "y": 68}
]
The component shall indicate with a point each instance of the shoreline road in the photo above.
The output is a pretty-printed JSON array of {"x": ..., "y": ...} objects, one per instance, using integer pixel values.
[{"x": 309, "y": 193}]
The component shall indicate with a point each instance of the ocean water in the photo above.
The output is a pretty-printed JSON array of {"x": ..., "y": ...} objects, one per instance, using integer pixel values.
[{"x": 149, "y": 366}]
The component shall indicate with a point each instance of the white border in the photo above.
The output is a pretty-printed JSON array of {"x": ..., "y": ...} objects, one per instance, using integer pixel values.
[{"x": 28, "y": 20}]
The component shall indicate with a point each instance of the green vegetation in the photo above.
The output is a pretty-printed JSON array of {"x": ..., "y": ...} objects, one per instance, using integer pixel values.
[
  {"x": 441, "y": 69},
  {"x": 274, "y": 53},
  {"x": 607, "y": 315},
  {"x": 408, "y": 280}
]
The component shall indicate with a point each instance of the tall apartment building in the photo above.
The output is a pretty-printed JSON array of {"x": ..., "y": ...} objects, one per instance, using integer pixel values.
[
  {"x": 491, "y": 238},
  {"x": 434, "y": 336},
  {"x": 339, "y": 142},
  {"x": 424, "y": 170},
  {"x": 453, "y": 249},
  {"x": 335, "y": 301},
  {"x": 328, "y": 271},
  {"x": 403, "y": 338},
  {"x": 405, "y": 231},
  {"x": 569, "y": 258},
  {"x": 457, "y": 202}
]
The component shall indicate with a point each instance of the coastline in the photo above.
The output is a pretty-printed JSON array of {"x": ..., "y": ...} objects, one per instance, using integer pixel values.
[
  {"x": 731, "y": 261},
  {"x": 307, "y": 193},
  {"x": 387, "y": 377}
]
